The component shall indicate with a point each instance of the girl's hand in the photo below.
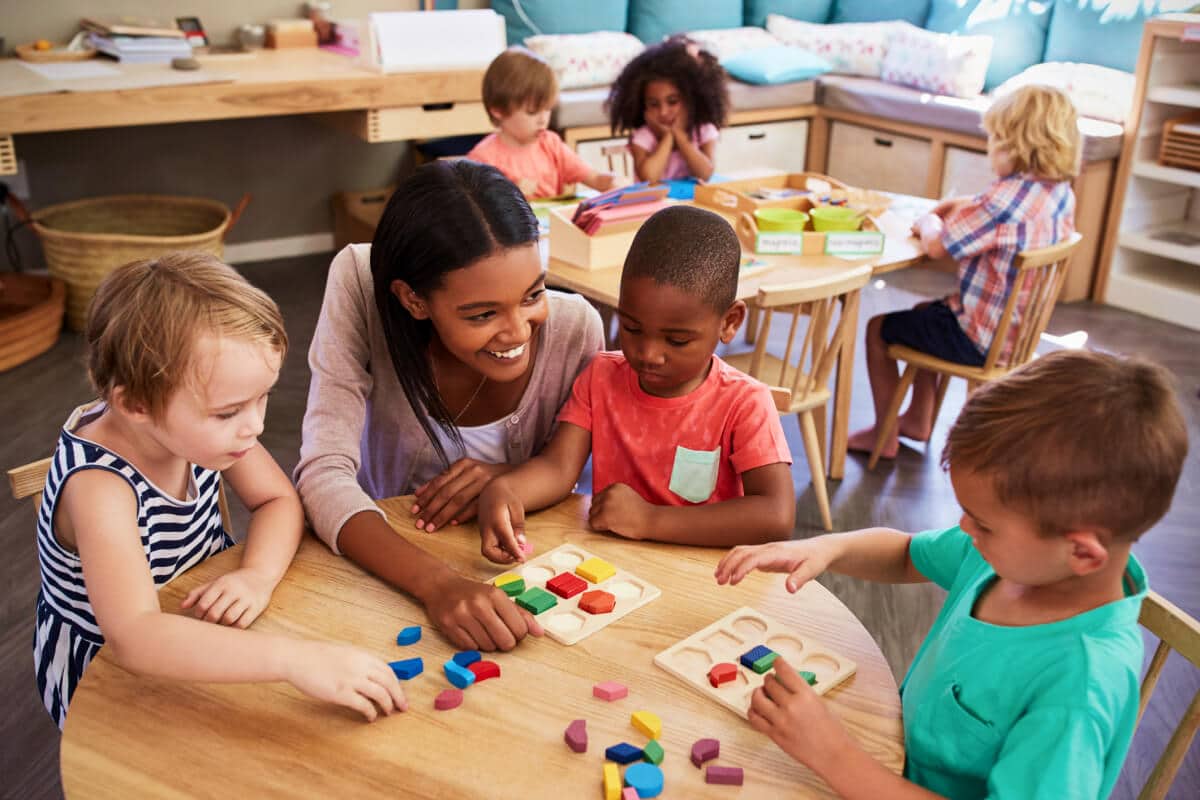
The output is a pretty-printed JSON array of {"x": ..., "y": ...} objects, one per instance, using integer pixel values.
[
  {"x": 795, "y": 717},
  {"x": 501, "y": 524},
  {"x": 621, "y": 510},
  {"x": 451, "y": 497},
  {"x": 236, "y": 598},
  {"x": 338, "y": 673},
  {"x": 805, "y": 559},
  {"x": 478, "y": 616},
  {"x": 660, "y": 131},
  {"x": 680, "y": 127}
]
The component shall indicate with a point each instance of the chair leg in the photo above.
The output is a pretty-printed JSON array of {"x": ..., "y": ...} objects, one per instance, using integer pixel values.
[
  {"x": 751, "y": 323},
  {"x": 943, "y": 385},
  {"x": 972, "y": 386},
  {"x": 888, "y": 424},
  {"x": 818, "y": 415},
  {"x": 812, "y": 449}
]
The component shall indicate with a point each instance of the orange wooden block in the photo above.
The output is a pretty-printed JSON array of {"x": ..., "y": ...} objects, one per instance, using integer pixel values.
[{"x": 597, "y": 601}]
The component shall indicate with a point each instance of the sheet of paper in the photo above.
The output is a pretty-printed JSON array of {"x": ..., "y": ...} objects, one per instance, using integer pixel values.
[{"x": 73, "y": 70}]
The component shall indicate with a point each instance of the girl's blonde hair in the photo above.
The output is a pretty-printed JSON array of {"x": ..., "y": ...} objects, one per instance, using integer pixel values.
[
  {"x": 1039, "y": 129},
  {"x": 145, "y": 319}
]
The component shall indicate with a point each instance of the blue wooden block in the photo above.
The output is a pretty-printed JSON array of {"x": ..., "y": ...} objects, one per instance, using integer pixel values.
[
  {"x": 646, "y": 779},
  {"x": 623, "y": 753},
  {"x": 467, "y": 657},
  {"x": 407, "y": 669},
  {"x": 750, "y": 656},
  {"x": 458, "y": 675},
  {"x": 410, "y": 635}
]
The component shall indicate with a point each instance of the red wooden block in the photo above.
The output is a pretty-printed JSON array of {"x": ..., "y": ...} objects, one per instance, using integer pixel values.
[
  {"x": 566, "y": 585},
  {"x": 597, "y": 601},
  {"x": 730, "y": 776},
  {"x": 484, "y": 670},
  {"x": 448, "y": 699},
  {"x": 722, "y": 673}
]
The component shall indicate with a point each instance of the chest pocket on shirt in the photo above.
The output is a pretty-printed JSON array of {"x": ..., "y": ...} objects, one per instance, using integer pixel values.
[
  {"x": 954, "y": 736},
  {"x": 694, "y": 473}
]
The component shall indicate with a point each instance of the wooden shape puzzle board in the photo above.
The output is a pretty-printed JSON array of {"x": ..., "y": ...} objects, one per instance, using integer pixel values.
[
  {"x": 565, "y": 622},
  {"x": 726, "y": 639}
]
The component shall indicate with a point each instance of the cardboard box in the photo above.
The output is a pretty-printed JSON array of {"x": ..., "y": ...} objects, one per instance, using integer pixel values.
[
  {"x": 606, "y": 249},
  {"x": 735, "y": 197},
  {"x": 356, "y": 215}
]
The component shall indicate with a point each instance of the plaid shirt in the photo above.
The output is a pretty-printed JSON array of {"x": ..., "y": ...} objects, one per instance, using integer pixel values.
[{"x": 985, "y": 235}]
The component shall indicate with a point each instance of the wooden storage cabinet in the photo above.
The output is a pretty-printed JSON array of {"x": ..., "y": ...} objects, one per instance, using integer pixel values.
[
  {"x": 965, "y": 172},
  {"x": 403, "y": 123},
  {"x": 778, "y": 146},
  {"x": 890, "y": 162}
]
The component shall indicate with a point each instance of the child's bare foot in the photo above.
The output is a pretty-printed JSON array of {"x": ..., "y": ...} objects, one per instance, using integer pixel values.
[
  {"x": 864, "y": 442},
  {"x": 917, "y": 430}
]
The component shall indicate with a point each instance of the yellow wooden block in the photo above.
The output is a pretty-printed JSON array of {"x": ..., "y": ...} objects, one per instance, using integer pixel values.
[
  {"x": 507, "y": 577},
  {"x": 612, "y": 781},
  {"x": 648, "y": 723},
  {"x": 596, "y": 570}
]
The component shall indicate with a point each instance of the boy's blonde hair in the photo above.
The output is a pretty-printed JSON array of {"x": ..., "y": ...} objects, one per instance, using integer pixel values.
[
  {"x": 517, "y": 78},
  {"x": 146, "y": 316},
  {"x": 1039, "y": 129},
  {"x": 1077, "y": 441}
]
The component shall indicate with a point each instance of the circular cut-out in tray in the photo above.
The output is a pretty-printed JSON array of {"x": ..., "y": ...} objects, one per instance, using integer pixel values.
[
  {"x": 789, "y": 647},
  {"x": 723, "y": 640},
  {"x": 566, "y": 561},
  {"x": 537, "y": 574},
  {"x": 823, "y": 666},
  {"x": 625, "y": 590},
  {"x": 751, "y": 629},
  {"x": 692, "y": 659},
  {"x": 736, "y": 686},
  {"x": 565, "y": 623}
]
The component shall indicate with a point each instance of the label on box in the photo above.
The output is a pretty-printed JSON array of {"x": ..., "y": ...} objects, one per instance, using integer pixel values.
[
  {"x": 779, "y": 244},
  {"x": 723, "y": 198},
  {"x": 857, "y": 243}
]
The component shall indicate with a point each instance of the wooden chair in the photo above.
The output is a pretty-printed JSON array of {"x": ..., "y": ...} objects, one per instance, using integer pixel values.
[
  {"x": 29, "y": 479},
  {"x": 801, "y": 386},
  {"x": 1178, "y": 631},
  {"x": 1040, "y": 276},
  {"x": 620, "y": 160}
]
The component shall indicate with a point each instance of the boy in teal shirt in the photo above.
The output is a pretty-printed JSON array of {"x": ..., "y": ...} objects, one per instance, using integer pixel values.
[{"x": 1027, "y": 684}]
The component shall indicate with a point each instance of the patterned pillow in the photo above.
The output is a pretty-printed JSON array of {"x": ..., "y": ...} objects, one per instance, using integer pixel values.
[
  {"x": 1097, "y": 92},
  {"x": 941, "y": 63},
  {"x": 725, "y": 43},
  {"x": 852, "y": 48},
  {"x": 586, "y": 59}
]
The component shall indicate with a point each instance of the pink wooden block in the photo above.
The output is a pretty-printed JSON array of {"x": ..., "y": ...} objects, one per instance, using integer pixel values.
[
  {"x": 629, "y": 793},
  {"x": 730, "y": 776},
  {"x": 705, "y": 750},
  {"x": 576, "y": 736},
  {"x": 610, "y": 690},
  {"x": 448, "y": 699},
  {"x": 527, "y": 547}
]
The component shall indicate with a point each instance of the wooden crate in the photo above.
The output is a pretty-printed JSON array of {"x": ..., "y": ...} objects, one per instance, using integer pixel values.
[
  {"x": 8, "y": 156},
  {"x": 1181, "y": 142},
  {"x": 607, "y": 248},
  {"x": 404, "y": 123},
  {"x": 735, "y": 196}
]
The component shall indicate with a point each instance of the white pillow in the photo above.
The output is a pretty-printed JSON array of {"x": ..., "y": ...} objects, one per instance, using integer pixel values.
[
  {"x": 726, "y": 43},
  {"x": 1097, "y": 92},
  {"x": 941, "y": 63},
  {"x": 586, "y": 59},
  {"x": 852, "y": 48}
]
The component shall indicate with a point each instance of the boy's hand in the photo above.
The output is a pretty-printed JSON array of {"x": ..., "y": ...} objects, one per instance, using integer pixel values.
[
  {"x": 621, "y": 510},
  {"x": 501, "y": 524},
  {"x": 795, "y": 717},
  {"x": 805, "y": 559},
  {"x": 451, "y": 497},
  {"x": 478, "y": 616},
  {"x": 945, "y": 207},
  {"x": 236, "y": 598},
  {"x": 338, "y": 673}
]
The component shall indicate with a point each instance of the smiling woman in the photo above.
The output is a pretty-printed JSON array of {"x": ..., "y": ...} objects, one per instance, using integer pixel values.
[{"x": 439, "y": 361}]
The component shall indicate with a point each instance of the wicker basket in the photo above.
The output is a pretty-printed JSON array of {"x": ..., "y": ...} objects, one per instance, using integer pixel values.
[
  {"x": 85, "y": 240},
  {"x": 31, "y": 314},
  {"x": 1181, "y": 142}
]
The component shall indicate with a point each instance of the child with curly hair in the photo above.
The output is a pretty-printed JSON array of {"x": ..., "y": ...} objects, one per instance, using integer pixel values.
[{"x": 673, "y": 98}]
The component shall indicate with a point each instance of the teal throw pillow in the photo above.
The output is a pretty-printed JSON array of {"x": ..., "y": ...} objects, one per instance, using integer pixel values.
[
  {"x": 913, "y": 11},
  {"x": 1018, "y": 31},
  {"x": 803, "y": 10},
  {"x": 782, "y": 64},
  {"x": 525, "y": 18},
  {"x": 652, "y": 20},
  {"x": 1104, "y": 32}
]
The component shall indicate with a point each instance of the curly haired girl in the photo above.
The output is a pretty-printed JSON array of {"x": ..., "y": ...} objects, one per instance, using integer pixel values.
[{"x": 673, "y": 99}]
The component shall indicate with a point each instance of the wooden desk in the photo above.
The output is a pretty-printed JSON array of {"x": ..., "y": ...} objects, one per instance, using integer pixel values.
[{"x": 133, "y": 737}]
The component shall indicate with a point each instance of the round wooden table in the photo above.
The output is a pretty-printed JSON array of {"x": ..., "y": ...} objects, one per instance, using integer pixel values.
[{"x": 139, "y": 737}]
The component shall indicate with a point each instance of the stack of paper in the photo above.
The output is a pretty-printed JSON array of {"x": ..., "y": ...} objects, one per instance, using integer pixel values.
[
  {"x": 619, "y": 205},
  {"x": 137, "y": 41}
]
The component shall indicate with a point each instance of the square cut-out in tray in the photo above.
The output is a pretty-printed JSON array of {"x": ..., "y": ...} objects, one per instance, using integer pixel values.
[
  {"x": 566, "y": 622},
  {"x": 728, "y": 638}
]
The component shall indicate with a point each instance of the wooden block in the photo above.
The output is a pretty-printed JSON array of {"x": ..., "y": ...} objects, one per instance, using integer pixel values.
[
  {"x": 566, "y": 585},
  {"x": 612, "y": 782},
  {"x": 514, "y": 587},
  {"x": 407, "y": 669},
  {"x": 647, "y": 779},
  {"x": 629, "y": 793},
  {"x": 466, "y": 658},
  {"x": 448, "y": 699},
  {"x": 482, "y": 670},
  {"x": 508, "y": 577},
  {"x": 811, "y": 677},
  {"x": 648, "y": 723},
  {"x": 596, "y": 570},
  {"x": 763, "y": 664},
  {"x": 576, "y": 736},
  {"x": 527, "y": 547},
  {"x": 535, "y": 600},
  {"x": 705, "y": 750},
  {"x": 653, "y": 752},
  {"x": 597, "y": 601},
  {"x": 459, "y": 676},
  {"x": 410, "y": 635},
  {"x": 623, "y": 753},
  {"x": 753, "y": 655},
  {"x": 729, "y": 776},
  {"x": 722, "y": 673},
  {"x": 610, "y": 690}
]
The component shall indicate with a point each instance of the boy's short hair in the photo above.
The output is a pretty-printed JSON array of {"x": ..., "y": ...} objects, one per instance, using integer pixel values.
[
  {"x": 1038, "y": 127},
  {"x": 690, "y": 248},
  {"x": 1077, "y": 440},
  {"x": 146, "y": 316},
  {"x": 518, "y": 78}
]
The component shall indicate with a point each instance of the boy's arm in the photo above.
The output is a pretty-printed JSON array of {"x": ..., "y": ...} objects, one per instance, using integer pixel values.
[
  {"x": 929, "y": 230},
  {"x": 875, "y": 554},
  {"x": 600, "y": 181}
]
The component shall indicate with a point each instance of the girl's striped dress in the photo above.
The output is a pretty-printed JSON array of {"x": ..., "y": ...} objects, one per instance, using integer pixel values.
[{"x": 176, "y": 536}]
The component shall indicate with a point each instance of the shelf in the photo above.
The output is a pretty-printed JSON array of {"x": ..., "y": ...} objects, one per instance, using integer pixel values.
[
  {"x": 1185, "y": 95},
  {"x": 1156, "y": 241},
  {"x": 1156, "y": 171},
  {"x": 1168, "y": 294}
]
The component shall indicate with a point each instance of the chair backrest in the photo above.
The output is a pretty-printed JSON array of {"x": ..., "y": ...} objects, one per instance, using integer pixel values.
[
  {"x": 1178, "y": 631},
  {"x": 807, "y": 367},
  {"x": 1040, "y": 276},
  {"x": 620, "y": 159}
]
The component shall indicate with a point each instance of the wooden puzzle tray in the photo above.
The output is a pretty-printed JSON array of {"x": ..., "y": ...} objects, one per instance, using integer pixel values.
[
  {"x": 736, "y": 633},
  {"x": 566, "y": 622}
]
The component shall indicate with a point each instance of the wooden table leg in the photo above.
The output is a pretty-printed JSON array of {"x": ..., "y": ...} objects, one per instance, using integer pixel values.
[{"x": 841, "y": 392}]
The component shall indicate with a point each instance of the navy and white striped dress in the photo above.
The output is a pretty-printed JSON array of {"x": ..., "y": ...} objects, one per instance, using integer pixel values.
[{"x": 175, "y": 535}]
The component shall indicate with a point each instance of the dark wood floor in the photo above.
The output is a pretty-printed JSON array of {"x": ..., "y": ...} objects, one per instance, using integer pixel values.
[{"x": 911, "y": 494}]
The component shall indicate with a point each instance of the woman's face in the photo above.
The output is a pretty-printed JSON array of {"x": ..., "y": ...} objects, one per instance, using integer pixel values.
[{"x": 486, "y": 314}]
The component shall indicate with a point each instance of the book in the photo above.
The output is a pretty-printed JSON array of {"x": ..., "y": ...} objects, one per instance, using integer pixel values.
[
  {"x": 141, "y": 49},
  {"x": 131, "y": 26}
]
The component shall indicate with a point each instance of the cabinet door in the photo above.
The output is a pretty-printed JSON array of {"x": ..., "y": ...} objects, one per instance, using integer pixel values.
[
  {"x": 873, "y": 159},
  {"x": 778, "y": 146},
  {"x": 966, "y": 172}
]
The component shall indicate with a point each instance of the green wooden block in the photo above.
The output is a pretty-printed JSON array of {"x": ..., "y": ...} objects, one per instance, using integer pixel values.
[
  {"x": 536, "y": 600},
  {"x": 763, "y": 664},
  {"x": 514, "y": 588},
  {"x": 811, "y": 677},
  {"x": 653, "y": 752}
]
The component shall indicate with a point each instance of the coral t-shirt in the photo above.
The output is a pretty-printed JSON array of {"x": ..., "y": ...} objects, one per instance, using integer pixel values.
[
  {"x": 675, "y": 450},
  {"x": 547, "y": 162}
]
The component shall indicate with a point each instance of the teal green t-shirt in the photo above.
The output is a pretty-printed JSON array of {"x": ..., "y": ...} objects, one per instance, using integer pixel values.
[{"x": 1041, "y": 711}]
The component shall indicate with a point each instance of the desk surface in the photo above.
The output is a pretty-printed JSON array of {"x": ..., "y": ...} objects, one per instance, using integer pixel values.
[{"x": 135, "y": 737}]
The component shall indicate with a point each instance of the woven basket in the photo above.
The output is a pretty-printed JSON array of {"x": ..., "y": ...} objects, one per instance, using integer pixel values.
[
  {"x": 85, "y": 240},
  {"x": 31, "y": 314}
]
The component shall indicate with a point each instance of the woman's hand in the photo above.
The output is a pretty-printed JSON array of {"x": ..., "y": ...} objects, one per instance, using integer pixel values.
[
  {"x": 478, "y": 616},
  {"x": 452, "y": 497},
  {"x": 236, "y": 598}
]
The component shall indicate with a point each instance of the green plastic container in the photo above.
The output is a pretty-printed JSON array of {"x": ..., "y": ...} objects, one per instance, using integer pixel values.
[
  {"x": 780, "y": 220},
  {"x": 836, "y": 218}
]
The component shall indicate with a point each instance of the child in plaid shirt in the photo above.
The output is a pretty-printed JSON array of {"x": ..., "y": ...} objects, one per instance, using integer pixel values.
[{"x": 1033, "y": 147}]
